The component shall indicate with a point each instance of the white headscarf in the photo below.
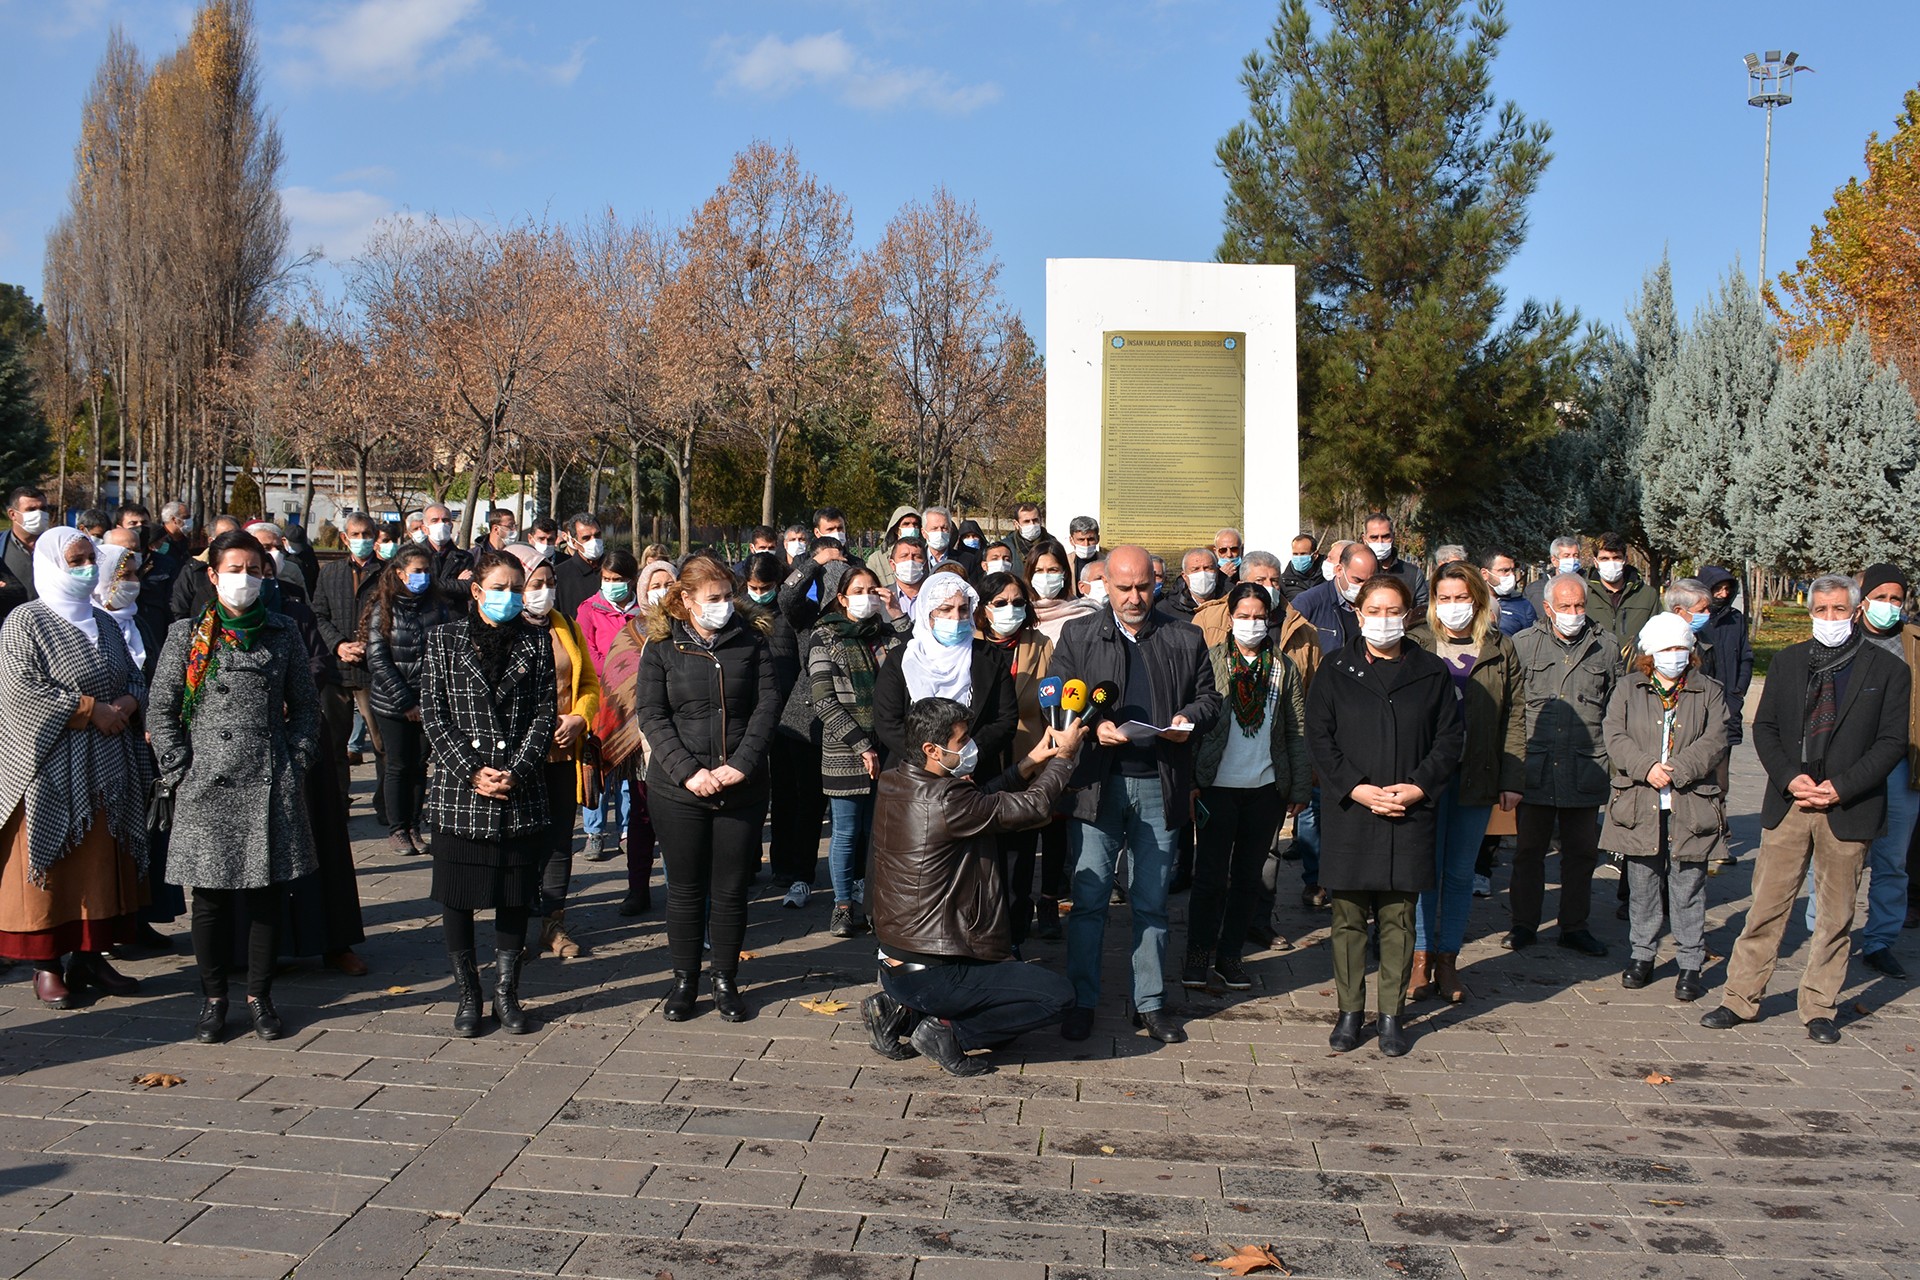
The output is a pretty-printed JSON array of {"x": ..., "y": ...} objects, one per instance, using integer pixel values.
[
  {"x": 66, "y": 597},
  {"x": 932, "y": 669},
  {"x": 109, "y": 557}
]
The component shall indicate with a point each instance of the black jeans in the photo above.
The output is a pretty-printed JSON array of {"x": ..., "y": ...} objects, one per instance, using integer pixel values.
[
  {"x": 1230, "y": 851},
  {"x": 405, "y": 771},
  {"x": 711, "y": 855},
  {"x": 989, "y": 1005},
  {"x": 1020, "y": 850},
  {"x": 213, "y": 915},
  {"x": 798, "y": 809},
  {"x": 509, "y": 928},
  {"x": 1579, "y": 855},
  {"x": 556, "y": 874}
]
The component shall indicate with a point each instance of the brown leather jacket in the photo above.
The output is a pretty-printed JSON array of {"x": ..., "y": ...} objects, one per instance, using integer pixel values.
[{"x": 934, "y": 887}]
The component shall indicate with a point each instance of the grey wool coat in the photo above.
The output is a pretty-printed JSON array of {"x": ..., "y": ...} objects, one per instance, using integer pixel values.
[{"x": 239, "y": 770}]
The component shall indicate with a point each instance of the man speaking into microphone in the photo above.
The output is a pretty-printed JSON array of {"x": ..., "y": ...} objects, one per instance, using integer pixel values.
[{"x": 1133, "y": 781}]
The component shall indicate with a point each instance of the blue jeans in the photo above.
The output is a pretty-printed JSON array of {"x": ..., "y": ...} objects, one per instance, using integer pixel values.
[
  {"x": 360, "y": 739},
  {"x": 1440, "y": 924},
  {"x": 1886, "y": 868},
  {"x": 1131, "y": 814},
  {"x": 593, "y": 819},
  {"x": 852, "y": 815},
  {"x": 1306, "y": 837}
]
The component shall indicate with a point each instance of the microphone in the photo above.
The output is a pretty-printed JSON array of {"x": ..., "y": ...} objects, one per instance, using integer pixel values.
[
  {"x": 1050, "y": 689},
  {"x": 1073, "y": 699},
  {"x": 1102, "y": 699}
]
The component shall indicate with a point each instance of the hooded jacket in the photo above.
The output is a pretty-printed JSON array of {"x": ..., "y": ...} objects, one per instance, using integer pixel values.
[
  {"x": 881, "y": 561},
  {"x": 1729, "y": 660}
]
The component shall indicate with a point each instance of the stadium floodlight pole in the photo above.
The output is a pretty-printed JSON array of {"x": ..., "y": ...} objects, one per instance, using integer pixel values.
[{"x": 1769, "y": 85}]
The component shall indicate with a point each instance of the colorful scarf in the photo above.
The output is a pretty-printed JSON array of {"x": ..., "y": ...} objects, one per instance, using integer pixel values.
[
  {"x": 1669, "y": 699},
  {"x": 216, "y": 629},
  {"x": 1247, "y": 687}
]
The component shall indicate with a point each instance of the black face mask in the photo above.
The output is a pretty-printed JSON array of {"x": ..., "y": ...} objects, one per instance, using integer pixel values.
[{"x": 1719, "y": 604}]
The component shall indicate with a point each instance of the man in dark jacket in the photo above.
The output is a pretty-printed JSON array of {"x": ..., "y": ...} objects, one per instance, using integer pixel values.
[
  {"x": 191, "y": 591},
  {"x": 1731, "y": 659},
  {"x": 939, "y": 904},
  {"x": 1136, "y": 787},
  {"x": 1302, "y": 571},
  {"x": 1386, "y": 552},
  {"x": 340, "y": 598},
  {"x": 1329, "y": 606},
  {"x": 1028, "y": 532},
  {"x": 28, "y": 518},
  {"x": 576, "y": 579},
  {"x": 1832, "y": 725},
  {"x": 452, "y": 565}
]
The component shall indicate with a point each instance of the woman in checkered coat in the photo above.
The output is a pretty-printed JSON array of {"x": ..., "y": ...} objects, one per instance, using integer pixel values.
[{"x": 489, "y": 709}]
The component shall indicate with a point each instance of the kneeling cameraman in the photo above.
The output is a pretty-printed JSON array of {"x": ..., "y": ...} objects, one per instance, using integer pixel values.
[{"x": 937, "y": 898}]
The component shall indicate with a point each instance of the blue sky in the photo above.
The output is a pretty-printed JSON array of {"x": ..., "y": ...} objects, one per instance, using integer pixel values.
[{"x": 1079, "y": 129}]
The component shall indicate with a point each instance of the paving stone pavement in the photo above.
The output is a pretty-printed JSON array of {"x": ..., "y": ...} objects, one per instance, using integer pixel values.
[{"x": 1521, "y": 1137}]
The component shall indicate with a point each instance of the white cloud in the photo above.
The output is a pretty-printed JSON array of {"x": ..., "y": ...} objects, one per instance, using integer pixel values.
[
  {"x": 387, "y": 43},
  {"x": 337, "y": 223},
  {"x": 828, "y": 62}
]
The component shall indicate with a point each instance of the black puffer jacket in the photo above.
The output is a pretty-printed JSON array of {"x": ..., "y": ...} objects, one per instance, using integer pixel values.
[
  {"x": 703, "y": 707},
  {"x": 396, "y": 664}
]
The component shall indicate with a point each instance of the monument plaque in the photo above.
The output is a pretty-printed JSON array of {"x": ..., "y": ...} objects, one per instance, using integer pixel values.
[{"x": 1173, "y": 417}]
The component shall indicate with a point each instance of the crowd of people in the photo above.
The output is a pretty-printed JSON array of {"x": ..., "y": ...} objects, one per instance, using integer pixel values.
[{"x": 1004, "y": 737}]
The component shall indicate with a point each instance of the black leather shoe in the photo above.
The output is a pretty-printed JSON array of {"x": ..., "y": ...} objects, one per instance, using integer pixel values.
[
  {"x": 1882, "y": 961},
  {"x": 1688, "y": 986},
  {"x": 1721, "y": 1019},
  {"x": 934, "y": 1039},
  {"x": 887, "y": 1020},
  {"x": 678, "y": 1006},
  {"x": 1584, "y": 942},
  {"x": 1077, "y": 1024},
  {"x": 1519, "y": 939},
  {"x": 726, "y": 998},
  {"x": 1159, "y": 1024},
  {"x": 266, "y": 1022},
  {"x": 1393, "y": 1037},
  {"x": 1822, "y": 1031},
  {"x": 212, "y": 1026},
  {"x": 636, "y": 904},
  {"x": 1346, "y": 1033},
  {"x": 1637, "y": 975}
]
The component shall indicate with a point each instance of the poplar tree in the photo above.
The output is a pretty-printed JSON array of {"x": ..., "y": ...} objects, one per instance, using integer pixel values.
[
  {"x": 1375, "y": 161},
  {"x": 1703, "y": 417},
  {"x": 1829, "y": 483}
]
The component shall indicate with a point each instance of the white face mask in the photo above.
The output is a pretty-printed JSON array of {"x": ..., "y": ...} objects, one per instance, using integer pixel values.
[
  {"x": 1381, "y": 550},
  {"x": 1612, "y": 570},
  {"x": 997, "y": 566},
  {"x": 864, "y": 606},
  {"x": 1570, "y": 564},
  {"x": 796, "y": 549},
  {"x": 278, "y": 557},
  {"x": 1672, "y": 662},
  {"x": 1350, "y": 592},
  {"x": 1504, "y": 584},
  {"x": 1455, "y": 616},
  {"x": 1327, "y": 569},
  {"x": 440, "y": 533},
  {"x": 32, "y": 524},
  {"x": 1202, "y": 583},
  {"x": 1832, "y": 632},
  {"x": 1050, "y": 585},
  {"x": 419, "y": 537},
  {"x": 1569, "y": 624},
  {"x": 1030, "y": 530},
  {"x": 593, "y": 548},
  {"x": 1249, "y": 631},
  {"x": 537, "y": 603},
  {"x": 238, "y": 591},
  {"x": 910, "y": 571},
  {"x": 838, "y": 535},
  {"x": 655, "y": 596},
  {"x": 1383, "y": 631},
  {"x": 1007, "y": 617},
  {"x": 716, "y": 615},
  {"x": 1097, "y": 591},
  {"x": 939, "y": 539},
  {"x": 122, "y": 595},
  {"x": 1085, "y": 551}
]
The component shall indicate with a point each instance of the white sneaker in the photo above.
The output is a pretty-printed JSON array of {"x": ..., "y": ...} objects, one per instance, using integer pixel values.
[
  {"x": 797, "y": 895},
  {"x": 1483, "y": 886},
  {"x": 860, "y": 892}
]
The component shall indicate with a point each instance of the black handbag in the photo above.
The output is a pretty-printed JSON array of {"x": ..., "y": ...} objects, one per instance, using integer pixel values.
[{"x": 160, "y": 806}]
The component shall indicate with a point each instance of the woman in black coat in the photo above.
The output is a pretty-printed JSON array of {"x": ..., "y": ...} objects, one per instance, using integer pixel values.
[
  {"x": 707, "y": 705},
  {"x": 394, "y": 629},
  {"x": 1384, "y": 731},
  {"x": 488, "y": 706}
]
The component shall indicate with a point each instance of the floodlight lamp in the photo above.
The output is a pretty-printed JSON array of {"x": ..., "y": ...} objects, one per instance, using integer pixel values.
[
  {"x": 1792, "y": 58},
  {"x": 1753, "y": 62},
  {"x": 1773, "y": 55}
]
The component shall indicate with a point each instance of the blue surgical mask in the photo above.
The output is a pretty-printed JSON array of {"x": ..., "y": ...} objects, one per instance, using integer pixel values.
[
  {"x": 87, "y": 573},
  {"x": 952, "y": 631},
  {"x": 1302, "y": 563},
  {"x": 1697, "y": 622},
  {"x": 417, "y": 582},
  {"x": 616, "y": 591},
  {"x": 760, "y": 597},
  {"x": 1883, "y": 615},
  {"x": 500, "y": 606}
]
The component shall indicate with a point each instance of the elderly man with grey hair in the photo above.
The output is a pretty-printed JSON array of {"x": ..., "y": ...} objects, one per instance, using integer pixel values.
[
  {"x": 1831, "y": 726},
  {"x": 1450, "y": 553},
  {"x": 937, "y": 530},
  {"x": 1570, "y": 666},
  {"x": 1563, "y": 556}
]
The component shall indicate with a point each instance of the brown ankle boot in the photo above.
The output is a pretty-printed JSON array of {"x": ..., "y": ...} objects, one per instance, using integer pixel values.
[
  {"x": 1420, "y": 978},
  {"x": 1446, "y": 977}
]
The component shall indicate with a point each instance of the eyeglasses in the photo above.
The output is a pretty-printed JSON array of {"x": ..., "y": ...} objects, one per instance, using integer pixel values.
[{"x": 1226, "y": 551}]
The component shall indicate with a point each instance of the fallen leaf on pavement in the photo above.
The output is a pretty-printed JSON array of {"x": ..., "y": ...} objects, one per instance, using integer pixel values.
[
  {"x": 1106, "y": 1151},
  {"x": 1199, "y": 1257},
  {"x": 1654, "y": 1077},
  {"x": 1861, "y": 1009},
  {"x": 157, "y": 1080},
  {"x": 1249, "y": 1258},
  {"x": 399, "y": 991},
  {"x": 1396, "y": 1265},
  {"x": 1672, "y": 1203},
  {"x": 749, "y": 955},
  {"x": 828, "y": 1007},
  {"x": 1095, "y": 1181}
]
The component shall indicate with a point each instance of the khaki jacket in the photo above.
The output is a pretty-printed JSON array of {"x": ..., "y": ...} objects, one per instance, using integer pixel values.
[{"x": 1633, "y": 731}]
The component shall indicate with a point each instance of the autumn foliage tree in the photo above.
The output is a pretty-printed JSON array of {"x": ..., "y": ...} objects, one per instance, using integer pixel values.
[{"x": 1863, "y": 266}]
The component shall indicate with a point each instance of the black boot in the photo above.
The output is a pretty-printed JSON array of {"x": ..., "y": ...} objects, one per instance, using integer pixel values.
[
  {"x": 1393, "y": 1037},
  {"x": 1638, "y": 974},
  {"x": 1346, "y": 1032},
  {"x": 678, "y": 1006},
  {"x": 726, "y": 998},
  {"x": 466, "y": 981},
  {"x": 1689, "y": 987},
  {"x": 506, "y": 993}
]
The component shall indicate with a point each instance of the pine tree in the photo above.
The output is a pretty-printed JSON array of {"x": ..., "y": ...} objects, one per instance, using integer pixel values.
[
  {"x": 1374, "y": 161},
  {"x": 1703, "y": 414},
  {"x": 1619, "y": 396},
  {"x": 1830, "y": 479},
  {"x": 24, "y": 443}
]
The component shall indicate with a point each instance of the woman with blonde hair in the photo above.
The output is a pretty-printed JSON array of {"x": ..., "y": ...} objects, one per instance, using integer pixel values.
[{"x": 1462, "y": 629}]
